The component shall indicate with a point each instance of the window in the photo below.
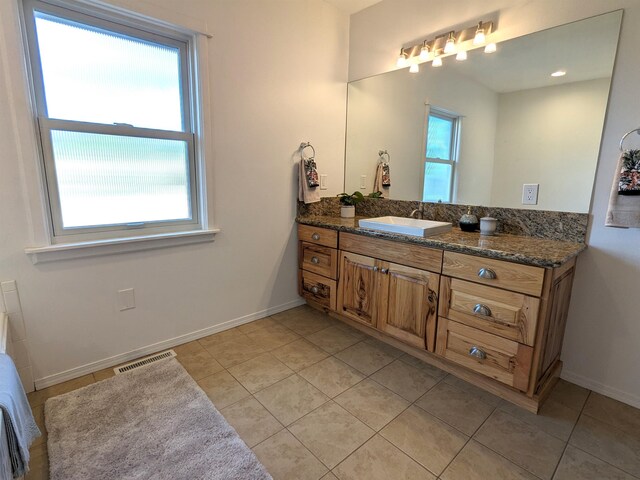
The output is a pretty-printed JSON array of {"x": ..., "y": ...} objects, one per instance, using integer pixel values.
[
  {"x": 115, "y": 110},
  {"x": 441, "y": 155}
]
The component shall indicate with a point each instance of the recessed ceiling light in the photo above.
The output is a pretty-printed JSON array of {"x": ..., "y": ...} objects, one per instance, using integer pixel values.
[{"x": 559, "y": 73}]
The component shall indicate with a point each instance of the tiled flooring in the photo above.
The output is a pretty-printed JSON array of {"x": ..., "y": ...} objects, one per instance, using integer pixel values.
[{"x": 316, "y": 399}]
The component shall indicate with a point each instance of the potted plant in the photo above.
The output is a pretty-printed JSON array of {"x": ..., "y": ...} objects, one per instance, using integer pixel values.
[{"x": 348, "y": 203}]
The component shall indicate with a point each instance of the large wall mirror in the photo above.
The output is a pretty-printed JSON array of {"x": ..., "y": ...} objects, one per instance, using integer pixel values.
[{"x": 475, "y": 131}]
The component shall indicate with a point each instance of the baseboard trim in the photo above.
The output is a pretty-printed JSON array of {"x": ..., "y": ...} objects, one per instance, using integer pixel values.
[
  {"x": 88, "y": 368},
  {"x": 616, "y": 394}
]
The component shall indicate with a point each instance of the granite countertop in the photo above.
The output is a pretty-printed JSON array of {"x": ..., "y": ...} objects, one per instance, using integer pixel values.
[{"x": 528, "y": 250}]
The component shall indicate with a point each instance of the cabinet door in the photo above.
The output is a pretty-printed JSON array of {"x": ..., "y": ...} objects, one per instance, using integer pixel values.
[
  {"x": 358, "y": 296},
  {"x": 411, "y": 311}
]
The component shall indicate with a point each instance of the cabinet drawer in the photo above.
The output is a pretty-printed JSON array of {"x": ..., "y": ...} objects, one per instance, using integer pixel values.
[
  {"x": 417, "y": 256},
  {"x": 318, "y": 235},
  {"x": 318, "y": 289},
  {"x": 498, "y": 273},
  {"x": 507, "y": 314},
  {"x": 503, "y": 360},
  {"x": 319, "y": 259}
]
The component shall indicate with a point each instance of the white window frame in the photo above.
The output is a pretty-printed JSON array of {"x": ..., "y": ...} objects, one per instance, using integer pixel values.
[
  {"x": 130, "y": 25},
  {"x": 454, "y": 146}
]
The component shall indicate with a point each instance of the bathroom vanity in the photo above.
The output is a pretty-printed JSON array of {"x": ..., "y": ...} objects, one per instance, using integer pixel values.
[{"x": 490, "y": 310}]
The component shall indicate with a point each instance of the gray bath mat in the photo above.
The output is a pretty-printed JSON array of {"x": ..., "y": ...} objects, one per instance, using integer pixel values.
[{"x": 151, "y": 423}]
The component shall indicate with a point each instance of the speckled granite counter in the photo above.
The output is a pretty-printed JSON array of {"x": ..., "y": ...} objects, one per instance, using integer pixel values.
[{"x": 529, "y": 250}]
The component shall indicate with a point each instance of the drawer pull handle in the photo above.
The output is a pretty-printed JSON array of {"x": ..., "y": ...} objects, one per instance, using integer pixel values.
[
  {"x": 315, "y": 260},
  {"x": 384, "y": 270},
  {"x": 315, "y": 236},
  {"x": 487, "y": 274},
  {"x": 478, "y": 353},
  {"x": 375, "y": 269},
  {"x": 481, "y": 309},
  {"x": 315, "y": 290}
]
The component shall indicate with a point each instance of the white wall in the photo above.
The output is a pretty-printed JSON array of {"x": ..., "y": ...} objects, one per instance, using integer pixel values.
[
  {"x": 603, "y": 332},
  {"x": 388, "y": 112},
  {"x": 550, "y": 136},
  {"x": 278, "y": 73}
]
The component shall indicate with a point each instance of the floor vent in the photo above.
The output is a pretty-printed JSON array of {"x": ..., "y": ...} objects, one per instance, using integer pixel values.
[{"x": 144, "y": 361}]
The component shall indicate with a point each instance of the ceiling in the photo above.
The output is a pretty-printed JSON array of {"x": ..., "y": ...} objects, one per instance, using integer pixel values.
[{"x": 352, "y": 6}]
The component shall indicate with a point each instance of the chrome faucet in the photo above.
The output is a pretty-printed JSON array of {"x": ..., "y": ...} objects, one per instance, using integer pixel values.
[{"x": 419, "y": 210}]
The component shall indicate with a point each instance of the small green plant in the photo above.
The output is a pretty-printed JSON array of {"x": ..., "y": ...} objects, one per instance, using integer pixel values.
[
  {"x": 353, "y": 199},
  {"x": 375, "y": 195}
]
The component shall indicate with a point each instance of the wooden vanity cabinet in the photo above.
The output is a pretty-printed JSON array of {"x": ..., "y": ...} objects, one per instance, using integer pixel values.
[
  {"x": 494, "y": 323},
  {"x": 318, "y": 265},
  {"x": 395, "y": 298},
  {"x": 501, "y": 319}
]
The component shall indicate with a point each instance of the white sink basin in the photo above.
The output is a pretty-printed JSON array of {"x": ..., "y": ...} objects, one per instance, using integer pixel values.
[{"x": 405, "y": 226}]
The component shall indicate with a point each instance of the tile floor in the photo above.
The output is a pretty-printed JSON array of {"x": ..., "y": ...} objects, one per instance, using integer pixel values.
[{"x": 316, "y": 399}]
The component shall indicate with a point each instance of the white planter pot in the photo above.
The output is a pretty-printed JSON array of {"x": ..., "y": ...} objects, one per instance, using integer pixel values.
[{"x": 347, "y": 211}]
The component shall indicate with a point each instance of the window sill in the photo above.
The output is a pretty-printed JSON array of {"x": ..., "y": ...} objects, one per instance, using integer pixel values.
[{"x": 69, "y": 251}]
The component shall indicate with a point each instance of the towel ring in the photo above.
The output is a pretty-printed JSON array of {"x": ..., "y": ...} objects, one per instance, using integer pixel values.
[
  {"x": 626, "y": 135},
  {"x": 304, "y": 145},
  {"x": 382, "y": 153}
]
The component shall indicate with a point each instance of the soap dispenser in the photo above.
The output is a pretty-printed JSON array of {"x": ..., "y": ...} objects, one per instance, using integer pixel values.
[{"x": 469, "y": 222}]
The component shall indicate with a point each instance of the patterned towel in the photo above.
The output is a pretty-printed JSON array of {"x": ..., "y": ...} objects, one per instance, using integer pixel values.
[
  {"x": 629, "y": 183},
  {"x": 382, "y": 179},
  {"x": 624, "y": 201},
  {"x": 19, "y": 427},
  {"x": 306, "y": 193}
]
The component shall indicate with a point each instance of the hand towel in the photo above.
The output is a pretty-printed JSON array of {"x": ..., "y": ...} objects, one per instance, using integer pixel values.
[
  {"x": 306, "y": 193},
  {"x": 19, "y": 426},
  {"x": 382, "y": 178},
  {"x": 624, "y": 202},
  {"x": 311, "y": 173},
  {"x": 386, "y": 175}
]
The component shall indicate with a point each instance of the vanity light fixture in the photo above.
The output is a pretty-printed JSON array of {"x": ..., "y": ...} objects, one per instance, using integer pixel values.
[
  {"x": 559, "y": 73},
  {"x": 479, "y": 37},
  {"x": 490, "y": 48},
  {"x": 457, "y": 42},
  {"x": 450, "y": 45},
  {"x": 402, "y": 59},
  {"x": 414, "y": 68}
]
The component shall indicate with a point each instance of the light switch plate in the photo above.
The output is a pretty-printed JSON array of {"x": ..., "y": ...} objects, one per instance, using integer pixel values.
[
  {"x": 323, "y": 181},
  {"x": 363, "y": 182},
  {"x": 530, "y": 193}
]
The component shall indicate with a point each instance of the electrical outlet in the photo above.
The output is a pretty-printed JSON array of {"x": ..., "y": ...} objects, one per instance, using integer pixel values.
[
  {"x": 363, "y": 182},
  {"x": 530, "y": 193},
  {"x": 126, "y": 299},
  {"x": 323, "y": 181}
]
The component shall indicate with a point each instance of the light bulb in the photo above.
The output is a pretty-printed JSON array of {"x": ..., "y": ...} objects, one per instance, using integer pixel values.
[
  {"x": 402, "y": 59},
  {"x": 424, "y": 53},
  {"x": 480, "y": 37},
  {"x": 490, "y": 48},
  {"x": 437, "y": 62},
  {"x": 414, "y": 68},
  {"x": 450, "y": 46},
  {"x": 462, "y": 55},
  {"x": 559, "y": 73}
]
